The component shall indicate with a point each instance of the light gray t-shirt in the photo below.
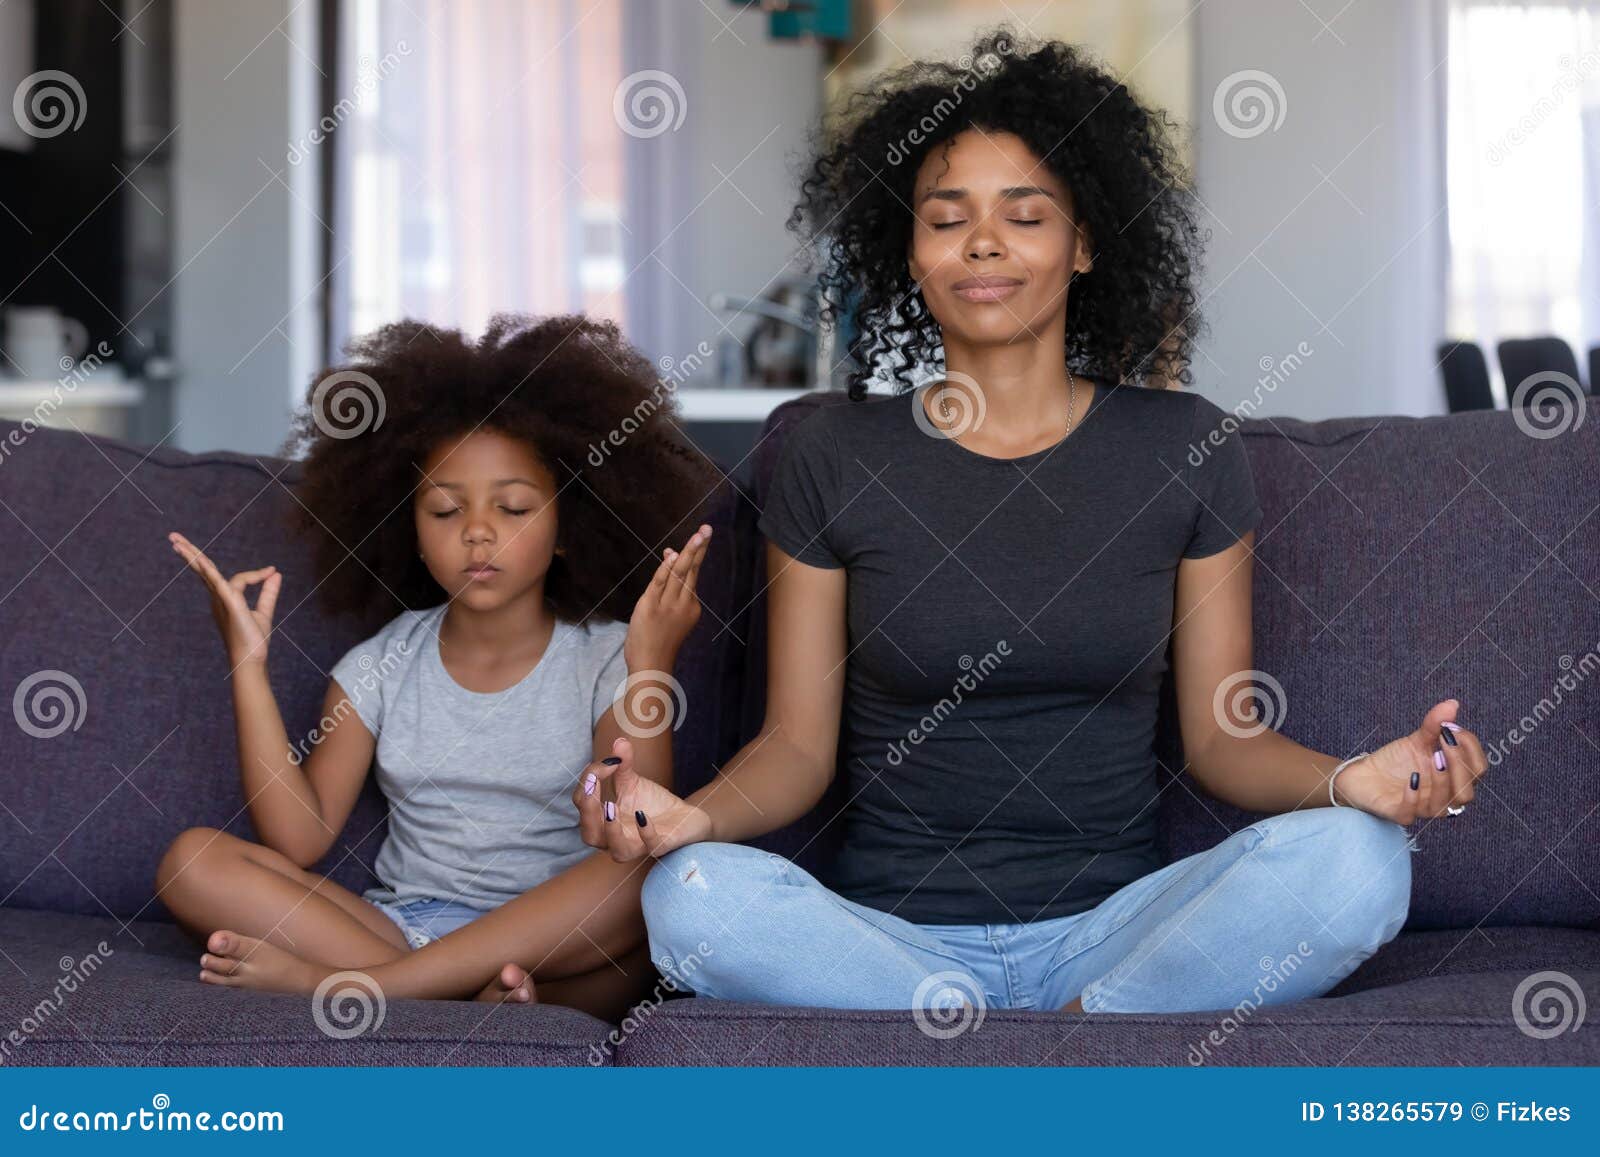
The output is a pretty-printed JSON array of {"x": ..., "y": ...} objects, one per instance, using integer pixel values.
[{"x": 479, "y": 785}]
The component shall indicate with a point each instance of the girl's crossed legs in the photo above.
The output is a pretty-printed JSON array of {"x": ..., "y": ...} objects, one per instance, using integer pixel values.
[
  {"x": 1280, "y": 911},
  {"x": 288, "y": 928}
]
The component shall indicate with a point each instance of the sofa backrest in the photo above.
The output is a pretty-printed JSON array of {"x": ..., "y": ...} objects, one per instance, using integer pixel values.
[
  {"x": 122, "y": 730},
  {"x": 1401, "y": 561}
]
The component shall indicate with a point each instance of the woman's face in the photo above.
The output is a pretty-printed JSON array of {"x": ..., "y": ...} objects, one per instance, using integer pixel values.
[
  {"x": 485, "y": 513},
  {"x": 993, "y": 245}
]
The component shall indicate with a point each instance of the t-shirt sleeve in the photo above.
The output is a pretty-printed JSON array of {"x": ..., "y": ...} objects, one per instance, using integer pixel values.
[
  {"x": 803, "y": 499},
  {"x": 613, "y": 670},
  {"x": 1221, "y": 483},
  {"x": 360, "y": 672}
]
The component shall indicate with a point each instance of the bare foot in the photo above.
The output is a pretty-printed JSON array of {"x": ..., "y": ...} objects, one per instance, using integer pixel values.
[
  {"x": 245, "y": 962},
  {"x": 514, "y": 985},
  {"x": 1075, "y": 1006}
]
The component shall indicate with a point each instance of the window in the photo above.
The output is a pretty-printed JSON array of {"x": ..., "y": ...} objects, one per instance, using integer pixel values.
[
  {"x": 478, "y": 166},
  {"x": 1523, "y": 163}
]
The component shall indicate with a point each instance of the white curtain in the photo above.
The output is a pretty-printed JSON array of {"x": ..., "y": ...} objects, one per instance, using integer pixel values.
[
  {"x": 479, "y": 164},
  {"x": 1523, "y": 173}
]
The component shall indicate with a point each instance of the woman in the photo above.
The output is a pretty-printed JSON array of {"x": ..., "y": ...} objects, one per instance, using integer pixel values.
[{"x": 972, "y": 589}]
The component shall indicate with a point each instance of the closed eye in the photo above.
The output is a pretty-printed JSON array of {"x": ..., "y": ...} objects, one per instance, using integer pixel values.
[
  {"x": 510, "y": 510},
  {"x": 937, "y": 225}
]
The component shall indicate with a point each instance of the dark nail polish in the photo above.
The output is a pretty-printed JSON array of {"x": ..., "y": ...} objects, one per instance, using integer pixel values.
[
  {"x": 612, "y": 760},
  {"x": 1416, "y": 778},
  {"x": 611, "y": 809},
  {"x": 639, "y": 816},
  {"x": 1444, "y": 734}
]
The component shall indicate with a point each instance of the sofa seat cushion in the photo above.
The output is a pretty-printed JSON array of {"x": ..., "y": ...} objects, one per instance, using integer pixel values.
[
  {"x": 143, "y": 1004},
  {"x": 1440, "y": 1020}
]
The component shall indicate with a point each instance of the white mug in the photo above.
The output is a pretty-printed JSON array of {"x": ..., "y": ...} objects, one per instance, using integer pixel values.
[{"x": 37, "y": 338}]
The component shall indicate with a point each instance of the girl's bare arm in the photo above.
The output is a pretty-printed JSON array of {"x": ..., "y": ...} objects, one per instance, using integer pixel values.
[{"x": 297, "y": 808}]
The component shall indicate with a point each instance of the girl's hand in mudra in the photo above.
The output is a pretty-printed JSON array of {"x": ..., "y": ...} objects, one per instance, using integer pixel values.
[
  {"x": 1381, "y": 783},
  {"x": 622, "y": 812},
  {"x": 244, "y": 629}
]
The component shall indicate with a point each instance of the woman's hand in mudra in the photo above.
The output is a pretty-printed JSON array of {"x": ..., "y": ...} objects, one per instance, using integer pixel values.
[
  {"x": 622, "y": 812},
  {"x": 1381, "y": 783}
]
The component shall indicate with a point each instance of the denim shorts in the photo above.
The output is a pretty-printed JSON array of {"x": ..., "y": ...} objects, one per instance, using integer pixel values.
[{"x": 425, "y": 920}]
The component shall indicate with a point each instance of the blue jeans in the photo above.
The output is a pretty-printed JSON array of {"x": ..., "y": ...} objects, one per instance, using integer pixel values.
[{"x": 1280, "y": 911}]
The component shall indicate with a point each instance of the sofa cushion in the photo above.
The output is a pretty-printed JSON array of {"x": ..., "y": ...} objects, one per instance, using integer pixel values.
[
  {"x": 1426, "y": 998},
  {"x": 92, "y": 597},
  {"x": 1400, "y": 561},
  {"x": 142, "y": 1004}
]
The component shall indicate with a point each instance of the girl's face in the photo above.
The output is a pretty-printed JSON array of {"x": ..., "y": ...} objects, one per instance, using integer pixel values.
[
  {"x": 485, "y": 513},
  {"x": 993, "y": 244}
]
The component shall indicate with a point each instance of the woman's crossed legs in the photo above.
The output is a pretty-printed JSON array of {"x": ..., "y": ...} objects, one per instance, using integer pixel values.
[{"x": 1280, "y": 911}]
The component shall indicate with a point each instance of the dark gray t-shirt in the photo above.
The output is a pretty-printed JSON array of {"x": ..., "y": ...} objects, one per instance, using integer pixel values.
[{"x": 1008, "y": 628}]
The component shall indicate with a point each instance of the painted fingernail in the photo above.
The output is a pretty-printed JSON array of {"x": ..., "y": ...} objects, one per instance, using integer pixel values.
[
  {"x": 1416, "y": 778},
  {"x": 611, "y": 808},
  {"x": 612, "y": 760},
  {"x": 589, "y": 782},
  {"x": 1447, "y": 737},
  {"x": 1438, "y": 761},
  {"x": 639, "y": 819},
  {"x": 1451, "y": 726}
]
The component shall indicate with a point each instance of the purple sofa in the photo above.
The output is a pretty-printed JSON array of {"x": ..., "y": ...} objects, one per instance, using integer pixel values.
[{"x": 1401, "y": 561}]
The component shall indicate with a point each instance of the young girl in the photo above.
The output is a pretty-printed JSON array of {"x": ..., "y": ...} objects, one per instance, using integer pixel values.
[{"x": 469, "y": 507}]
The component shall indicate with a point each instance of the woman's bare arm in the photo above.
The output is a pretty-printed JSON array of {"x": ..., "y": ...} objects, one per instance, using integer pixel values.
[
  {"x": 780, "y": 774},
  {"x": 1245, "y": 762}
]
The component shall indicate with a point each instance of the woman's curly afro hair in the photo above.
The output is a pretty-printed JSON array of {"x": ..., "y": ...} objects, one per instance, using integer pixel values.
[
  {"x": 1132, "y": 317},
  {"x": 590, "y": 406}
]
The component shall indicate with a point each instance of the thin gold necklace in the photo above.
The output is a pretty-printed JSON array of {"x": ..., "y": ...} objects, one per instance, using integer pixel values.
[{"x": 1072, "y": 404}]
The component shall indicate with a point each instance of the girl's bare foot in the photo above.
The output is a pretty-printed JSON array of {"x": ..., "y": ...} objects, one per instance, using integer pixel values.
[
  {"x": 514, "y": 985},
  {"x": 245, "y": 962}
]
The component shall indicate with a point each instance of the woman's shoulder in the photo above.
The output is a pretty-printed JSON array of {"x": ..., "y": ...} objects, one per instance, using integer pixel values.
[
  {"x": 843, "y": 417},
  {"x": 1170, "y": 415}
]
